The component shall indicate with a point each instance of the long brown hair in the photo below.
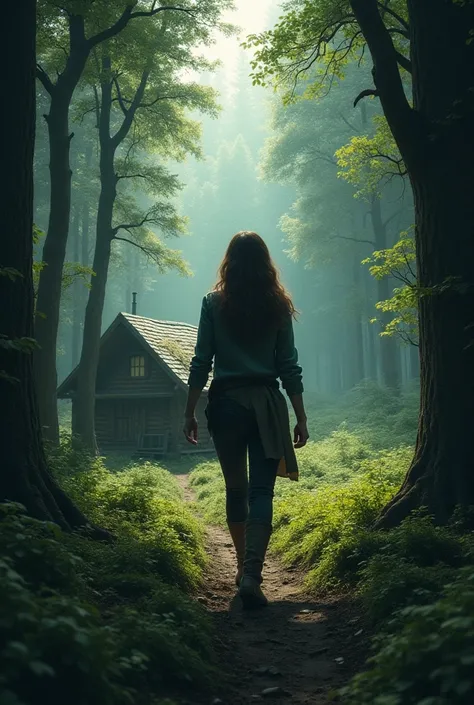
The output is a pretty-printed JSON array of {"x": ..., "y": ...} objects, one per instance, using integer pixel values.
[{"x": 252, "y": 299}]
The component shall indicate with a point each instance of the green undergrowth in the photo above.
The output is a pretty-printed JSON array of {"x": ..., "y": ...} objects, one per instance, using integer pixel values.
[
  {"x": 87, "y": 622},
  {"x": 380, "y": 418},
  {"x": 415, "y": 583}
]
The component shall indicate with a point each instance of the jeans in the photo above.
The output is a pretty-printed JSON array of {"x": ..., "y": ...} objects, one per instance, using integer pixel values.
[{"x": 234, "y": 430}]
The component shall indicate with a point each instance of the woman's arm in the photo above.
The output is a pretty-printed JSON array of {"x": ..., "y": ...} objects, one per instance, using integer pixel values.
[
  {"x": 291, "y": 376},
  {"x": 200, "y": 367}
]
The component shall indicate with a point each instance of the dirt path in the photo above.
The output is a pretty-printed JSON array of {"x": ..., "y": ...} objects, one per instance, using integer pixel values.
[{"x": 296, "y": 650}]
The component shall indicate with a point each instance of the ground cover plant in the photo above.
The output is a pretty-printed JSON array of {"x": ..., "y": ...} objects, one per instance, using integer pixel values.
[{"x": 92, "y": 622}]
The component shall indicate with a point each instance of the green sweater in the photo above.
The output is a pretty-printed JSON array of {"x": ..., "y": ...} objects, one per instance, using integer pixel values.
[{"x": 273, "y": 356}]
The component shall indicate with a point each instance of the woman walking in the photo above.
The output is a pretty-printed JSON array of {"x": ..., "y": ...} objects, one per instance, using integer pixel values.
[{"x": 246, "y": 329}]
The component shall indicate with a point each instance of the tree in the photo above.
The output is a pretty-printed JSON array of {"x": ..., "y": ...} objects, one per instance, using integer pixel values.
[
  {"x": 81, "y": 27},
  {"x": 325, "y": 226},
  {"x": 24, "y": 476},
  {"x": 141, "y": 104},
  {"x": 435, "y": 137}
]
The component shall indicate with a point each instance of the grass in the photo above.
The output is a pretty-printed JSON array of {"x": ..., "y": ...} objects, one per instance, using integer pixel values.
[{"x": 88, "y": 622}]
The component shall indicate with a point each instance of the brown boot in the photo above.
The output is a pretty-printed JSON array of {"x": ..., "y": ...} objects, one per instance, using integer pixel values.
[{"x": 237, "y": 532}]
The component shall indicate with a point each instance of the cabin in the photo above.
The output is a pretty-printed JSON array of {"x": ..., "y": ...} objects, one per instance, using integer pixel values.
[{"x": 141, "y": 388}]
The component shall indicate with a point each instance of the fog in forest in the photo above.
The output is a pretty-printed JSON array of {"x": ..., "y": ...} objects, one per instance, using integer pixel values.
[{"x": 268, "y": 168}]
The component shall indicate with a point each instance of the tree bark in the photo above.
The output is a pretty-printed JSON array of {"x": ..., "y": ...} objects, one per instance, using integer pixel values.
[
  {"x": 436, "y": 140},
  {"x": 24, "y": 475},
  {"x": 84, "y": 413},
  {"x": 54, "y": 250}
]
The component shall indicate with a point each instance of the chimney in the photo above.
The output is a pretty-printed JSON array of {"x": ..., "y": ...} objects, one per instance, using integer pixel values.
[{"x": 134, "y": 303}]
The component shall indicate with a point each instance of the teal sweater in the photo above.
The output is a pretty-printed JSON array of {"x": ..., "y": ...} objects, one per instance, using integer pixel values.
[{"x": 273, "y": 356}]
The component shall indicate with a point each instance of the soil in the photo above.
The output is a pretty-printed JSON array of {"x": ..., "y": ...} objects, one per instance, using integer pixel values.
[{"x": 297, "y": 650}]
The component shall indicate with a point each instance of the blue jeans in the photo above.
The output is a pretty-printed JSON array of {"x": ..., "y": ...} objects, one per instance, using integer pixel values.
[{"x": 234, "y": 430}]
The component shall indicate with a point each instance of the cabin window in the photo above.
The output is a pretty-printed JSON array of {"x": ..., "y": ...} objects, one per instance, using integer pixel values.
[{"x": 137, "y": 366}]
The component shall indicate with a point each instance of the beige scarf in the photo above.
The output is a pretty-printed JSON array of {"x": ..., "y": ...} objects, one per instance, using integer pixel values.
[{"x": 271, "y": 412}]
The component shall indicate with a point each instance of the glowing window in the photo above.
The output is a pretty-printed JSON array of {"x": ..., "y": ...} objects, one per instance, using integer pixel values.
[{"x": 137, "y": 366}]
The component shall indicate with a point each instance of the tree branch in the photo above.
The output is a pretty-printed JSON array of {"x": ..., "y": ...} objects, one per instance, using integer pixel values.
[
  {"x": 355, "y": 239},
  {"x": 119, "y": 96},
  {"x": 151, "y": 255},
  {"x": 124, "y": 128},
  {"x": 128, "y": 15},
  {"x": 391, "y": 217},
  {"x": 350, "y": 125},
  {"x": 385, "y": 70},
  {"x": 130, "y": 226},
  {"x": 385, "y": 6},
  {"x": 403, "y": 61},
  {"x": 132, "y": 176},
  {"x": 44, "y": 79},
  {"x": 365, "y": 94}
]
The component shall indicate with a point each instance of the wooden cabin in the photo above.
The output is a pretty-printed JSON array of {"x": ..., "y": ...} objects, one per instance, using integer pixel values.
[{"x": 141, "y": 388}]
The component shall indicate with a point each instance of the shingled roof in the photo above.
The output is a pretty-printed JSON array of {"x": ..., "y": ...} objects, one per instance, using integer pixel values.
[{"x": 171, "y": 343}]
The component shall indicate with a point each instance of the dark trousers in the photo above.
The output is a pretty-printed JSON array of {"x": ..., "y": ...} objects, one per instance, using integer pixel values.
[{"x": 235, "y": 431}]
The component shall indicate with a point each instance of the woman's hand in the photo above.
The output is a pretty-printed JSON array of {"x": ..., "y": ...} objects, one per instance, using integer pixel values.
[
  {"x": 300, "y": 435},
  {"x": 190, "y": 429}
]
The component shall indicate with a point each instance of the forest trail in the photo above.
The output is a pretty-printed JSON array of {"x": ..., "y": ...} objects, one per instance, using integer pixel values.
[{"x": 297, "y": 650}]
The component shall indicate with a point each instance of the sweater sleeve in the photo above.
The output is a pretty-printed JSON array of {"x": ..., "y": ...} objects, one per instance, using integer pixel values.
[
  {"x": 287, "y": 365},
  {"x": 201, "y": 364}
]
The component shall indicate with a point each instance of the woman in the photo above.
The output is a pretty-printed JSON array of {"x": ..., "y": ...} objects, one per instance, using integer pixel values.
[{"x": 246, "y": 329}]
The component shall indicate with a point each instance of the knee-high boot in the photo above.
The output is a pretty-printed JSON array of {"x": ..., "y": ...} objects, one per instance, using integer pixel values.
[
  {"x": 237, "y": 532},
  {"x": 257, "y": 536}
]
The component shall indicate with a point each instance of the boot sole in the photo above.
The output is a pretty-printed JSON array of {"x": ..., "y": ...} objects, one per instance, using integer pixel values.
[{"x": 251, "y": 601}]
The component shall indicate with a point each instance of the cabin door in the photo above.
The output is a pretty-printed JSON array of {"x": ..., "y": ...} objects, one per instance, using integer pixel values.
[{"x": 129, "y": 422}]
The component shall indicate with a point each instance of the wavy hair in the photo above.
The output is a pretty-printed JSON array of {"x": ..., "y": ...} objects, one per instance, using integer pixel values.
[{"x": 252, "y": 299}]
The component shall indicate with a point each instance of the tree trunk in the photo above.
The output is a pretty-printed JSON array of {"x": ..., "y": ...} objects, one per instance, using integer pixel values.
[
  {"x": 54, "y": 253},
  {"x": 54, "y": 250},
  {"x": 76, "y": 291},
  {"x": 84, "y": 422},
  {"x": 24, "y": 476},
  {"x": 84, "y": 413},
  {"x": 358, "y": 336},
  {"x": 436, "y": 146},
  {"x": 390, "y": 359},
  {"x": 442, "y": 473}
]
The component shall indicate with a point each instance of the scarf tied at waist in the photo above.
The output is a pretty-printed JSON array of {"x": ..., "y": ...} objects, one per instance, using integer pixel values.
[{"x": 263, "y": 397}]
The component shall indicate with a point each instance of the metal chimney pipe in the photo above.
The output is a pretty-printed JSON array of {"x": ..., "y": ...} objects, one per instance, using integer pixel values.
[{"x": 134, "y": 303}]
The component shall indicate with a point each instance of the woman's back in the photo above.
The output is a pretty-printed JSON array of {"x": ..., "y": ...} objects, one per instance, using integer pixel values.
[{"x": 270, "y": 355}]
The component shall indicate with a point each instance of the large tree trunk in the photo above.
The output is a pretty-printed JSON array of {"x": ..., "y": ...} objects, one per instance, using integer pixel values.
[
  {"x": 439, "y": 158},
  {"x": 54, "y": 253},
  {"x": 24, "y": 475},
  {"x": 442, "y": 473},
  {"x": 54, "y": 250}
]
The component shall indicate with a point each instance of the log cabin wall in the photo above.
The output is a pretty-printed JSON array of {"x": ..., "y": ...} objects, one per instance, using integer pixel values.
[{"x": 113, "y": 376}]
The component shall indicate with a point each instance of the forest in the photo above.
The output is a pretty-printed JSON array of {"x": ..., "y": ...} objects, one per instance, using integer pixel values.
[{"x": 139, "y": 136}]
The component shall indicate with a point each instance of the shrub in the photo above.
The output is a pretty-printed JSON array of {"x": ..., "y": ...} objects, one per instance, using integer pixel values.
[
  {"x": 89, "y": 622},
  {"x": 53, "y": 649},
  {"x": 429, "y": 660}
]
